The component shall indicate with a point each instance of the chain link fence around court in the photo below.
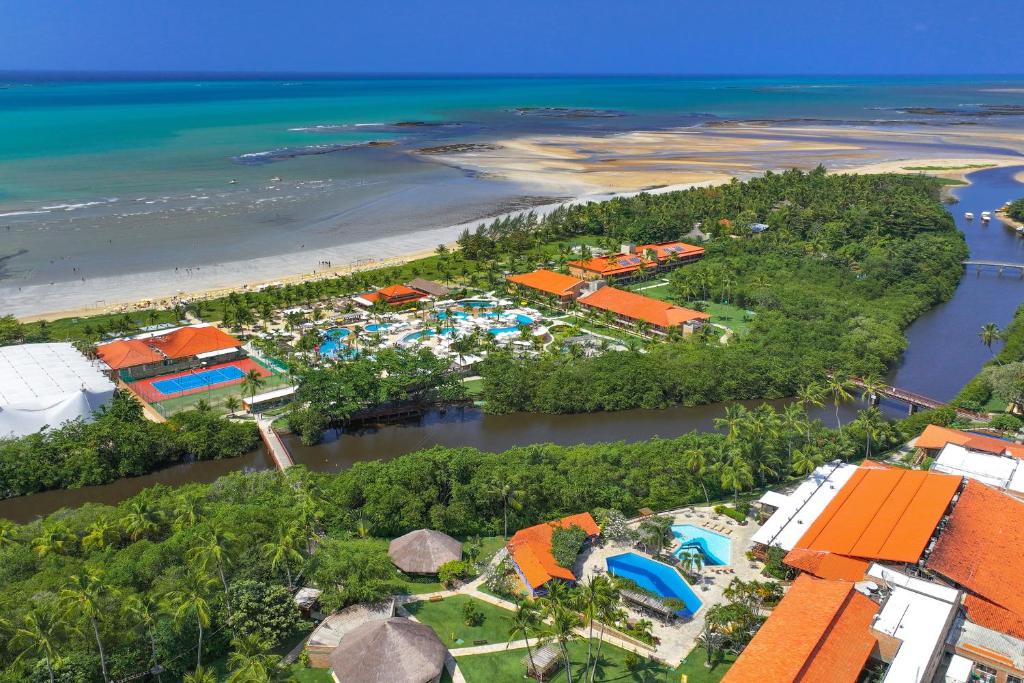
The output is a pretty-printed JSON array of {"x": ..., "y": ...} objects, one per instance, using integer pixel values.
[{"x": 160, "y": 393}]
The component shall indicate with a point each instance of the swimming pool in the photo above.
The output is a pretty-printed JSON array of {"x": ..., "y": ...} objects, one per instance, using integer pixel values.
[
  {"x": 199, "y": 380},
  {"x": 338, "y": 332},
  {"x": 655, "y": 577},
  {"x": 426, "y": 333},
  {"x": 461, "y": 315},
  {"x": 477, "y": 304},
  {"x": 377, "y": 327},
  {"x": 716, "y": 548}
]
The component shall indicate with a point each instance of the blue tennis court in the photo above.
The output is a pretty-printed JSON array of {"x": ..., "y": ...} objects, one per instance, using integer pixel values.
[{"x": 198, "y": 380}]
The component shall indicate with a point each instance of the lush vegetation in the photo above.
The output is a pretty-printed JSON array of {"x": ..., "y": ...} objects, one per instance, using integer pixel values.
[
  {"x": 393, "y": 378},
  {"x": 119, "y": 442},
  {"x": 174, "y": 575},
  {"x": 1016, "y": 210},
  {"x": 850, "y": 261},
  {"x": 566, "y": 545},
  {"x": 1000, "y": 384}
]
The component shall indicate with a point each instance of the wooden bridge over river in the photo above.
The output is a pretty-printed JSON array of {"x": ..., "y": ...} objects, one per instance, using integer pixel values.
[{"x": 914, "y": 401}]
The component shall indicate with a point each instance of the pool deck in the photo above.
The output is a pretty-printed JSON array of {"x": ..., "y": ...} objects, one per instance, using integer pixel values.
[{"x": 678, "y": 639}]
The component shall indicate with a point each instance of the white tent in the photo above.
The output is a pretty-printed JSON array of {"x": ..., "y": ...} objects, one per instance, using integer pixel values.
[{"x": 47, "y": 384}]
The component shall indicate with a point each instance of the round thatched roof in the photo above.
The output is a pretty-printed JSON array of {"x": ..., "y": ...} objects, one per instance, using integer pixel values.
[
  {"x": 394, "y": 650},
  {"x": 423, "y": 551}
]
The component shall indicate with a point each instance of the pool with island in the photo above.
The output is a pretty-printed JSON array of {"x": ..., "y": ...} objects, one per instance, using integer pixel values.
[
  {"x": 656, "y": 577},
  {"x": 715, "y": 548}
]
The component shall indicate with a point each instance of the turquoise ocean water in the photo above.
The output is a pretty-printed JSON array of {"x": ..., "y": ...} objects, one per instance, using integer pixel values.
[{"x": 108, "y": 176}]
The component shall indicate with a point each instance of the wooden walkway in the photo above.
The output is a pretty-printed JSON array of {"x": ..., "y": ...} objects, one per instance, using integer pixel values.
[{"x": 275, "y": 446}]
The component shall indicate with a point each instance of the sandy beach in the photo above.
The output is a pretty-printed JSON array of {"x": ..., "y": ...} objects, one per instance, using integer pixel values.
[{"x": 589, "y": 168}]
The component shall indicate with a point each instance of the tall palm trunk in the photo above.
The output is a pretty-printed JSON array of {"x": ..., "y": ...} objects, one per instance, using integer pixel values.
[
  {"x": 568, "y": 663},
  {"x": 597, "y": 657},
  {"x": 227, "y": 593},
  {"x": 152, "y": 645},
  {"x": 49, "y": 666},
  {"x": 99, "y": 644},
  {"x": 199, "y": 649}
]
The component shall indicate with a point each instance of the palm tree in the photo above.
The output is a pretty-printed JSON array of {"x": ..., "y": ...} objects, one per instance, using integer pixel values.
[
  {"x": 609, "y": 612},
  {"x": 804, "y": 461},
  {"x": 710, "y": 640},
  {"x": 53, "y": 540},
  {"x": 8, "y": 534},
  {"x": 252, "y": 383},
  {"x": 810, "y": 395},
  {"x": 250, "y": 661},
  {"x": 562, "y": 630},
  {"x": 695, "y": 461},
  {"x": 190, "y": 602},
  {"x": 733, "y": 422},
  {"x": 510, "y": 496},
  {"x": 200, "y": 675},
  {"x": 872, "y": 422},
  {"x": 692, "y": 562},
  {"x": 100, "y": 535},
  {"x": 793, "y": 421},
  {"x": 188, "y": 511},
  {"x": 142, "y": 519},
  {"x": 215, "y": 549},
  {"x": 839, "y": 388},
  {"x": 990, "y": 334},
  {"x": 736, "y": 474},
  {"x": 871, "y": 384},
  {"x": 36, "y": 636},
  {"x": 232, "y": 404},
  {"x": 656, "y": 530},
  {"x": 283, "y": 551},
  {"x": 145, "y": 610},
  {"x": 83, "y": 599},
  {"x": 362, "y": 528},
  {"x": 522, "y": 624}
]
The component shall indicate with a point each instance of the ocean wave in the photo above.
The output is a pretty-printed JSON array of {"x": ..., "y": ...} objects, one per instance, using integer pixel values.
[
  {"x": 79, "y": 205},
  {"x": 21, "y": 213},
  {"x": 282, "y": 153}
]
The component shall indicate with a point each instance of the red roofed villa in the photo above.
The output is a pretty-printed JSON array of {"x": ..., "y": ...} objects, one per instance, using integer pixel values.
[
  {"x": 630, "y": 309},
  {"x": 548, "y": 284},
  {"x": 161, "y": 353},
  {"x": 818, "y": 632},
  {"x": 635, "y": 261},
  {"x": 394, "y": 295},
  {"x": 530, "y": 549}
]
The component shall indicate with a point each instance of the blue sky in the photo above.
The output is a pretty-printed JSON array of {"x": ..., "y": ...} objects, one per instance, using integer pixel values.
[{"x": 516, "y": 36}]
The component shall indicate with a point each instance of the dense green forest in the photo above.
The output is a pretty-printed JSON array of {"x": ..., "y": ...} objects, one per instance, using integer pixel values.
[
  {"x": 119, "y": 442},
  {"x": 1000, "y": 384},
  {"x": 1016, "y": 210},
  {"x": 848, "y": 263},
  {"x": 185, "y": 576}
]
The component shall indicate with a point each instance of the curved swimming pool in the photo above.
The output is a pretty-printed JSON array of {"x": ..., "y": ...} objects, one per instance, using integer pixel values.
[
  {"x": 656, "y": 577},
  {"x": 426, "y": 333},
  {"x": 716, "y": 548},
  {"x": 378, "y": 327}
]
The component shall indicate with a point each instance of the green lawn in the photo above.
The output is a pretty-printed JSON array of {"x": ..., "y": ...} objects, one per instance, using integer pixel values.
[
  {"x": 507, "y": 666},
  {"x": 656, "y": 291},
  {"x": 474, "y": 387},
  {"x": 301, "y": 674},
  {"x": 731, "y": 316},
  {"x": 445, "y": 617}
]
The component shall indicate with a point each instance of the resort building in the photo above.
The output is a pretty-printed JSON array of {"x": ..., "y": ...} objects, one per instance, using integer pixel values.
[
  {"x": 818, "y": 632},
  {"x": 530, "y": 550},
  {"x": 158, "y": 353},
  {"x": 394, "y": 295},
  {"x": 938, "y": 554},
  {"x": 326, "y": 637},
  {"x": 630, "y": 309},
  {"x": 636, "y": 261},
  {"x": 424, "y": 551},
  {"x": 934, "y": 438},
  {"x": 546, "y": 284},
  {"x": 429, "y": 287},
  {"x": 45, "y": 385}
]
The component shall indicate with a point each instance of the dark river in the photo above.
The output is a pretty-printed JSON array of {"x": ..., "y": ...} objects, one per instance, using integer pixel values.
[{"x": 944, "y": 353}]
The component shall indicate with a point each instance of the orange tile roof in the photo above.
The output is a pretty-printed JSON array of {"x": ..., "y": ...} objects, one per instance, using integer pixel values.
[
  {"x": 818, "y": 632},
  {"x": 827, "y": 565},
  {"x": 984, "y": 613},
  {"x": 612, "y": 264},
  {"x": 395, "y": 293},
  {"x": 664, "y": 250},
  {"x": 531, "y": 548},
  {"x": 988, "y": 654},
  {"x": 935, "y": 437},
  {"x": 547, "y": 281},
  {"x": 190, "y": 341},
  {"x": 126, "y": 353},
  {"x": 639, "y": 307},
  {"x": 882, "y": 514},
  {"x": 981, "y": 545},
  {"x": 181, "y": 343}
]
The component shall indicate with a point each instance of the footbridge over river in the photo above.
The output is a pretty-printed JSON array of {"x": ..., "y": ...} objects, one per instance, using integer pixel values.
[
  {"x": 913, "y": 400},
  {"x": 982, "y": 264}
]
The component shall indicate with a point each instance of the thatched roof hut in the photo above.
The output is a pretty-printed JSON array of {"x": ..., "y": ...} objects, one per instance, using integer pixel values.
[
  {"x": 328, "y": 634},
  {"x": 543, "y": 662},
  {"x": 395, "y": 650},
  {"x": 423, "y": 551}
]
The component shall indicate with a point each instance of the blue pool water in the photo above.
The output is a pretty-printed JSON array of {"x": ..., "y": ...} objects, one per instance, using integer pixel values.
[
  {"x": 503, "y": 330},
  {"x": 716, "y": 548},
  {"x": 199, "y": 380},
  {"x": 426, "y": 333},
  {"x": 338, "y": 332},
  {"x": 477, "y": 304},
  {"x": 377, "y": 327},
  {"x": 462, "y": 315},
  {"x": 656, "y": 577}
]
